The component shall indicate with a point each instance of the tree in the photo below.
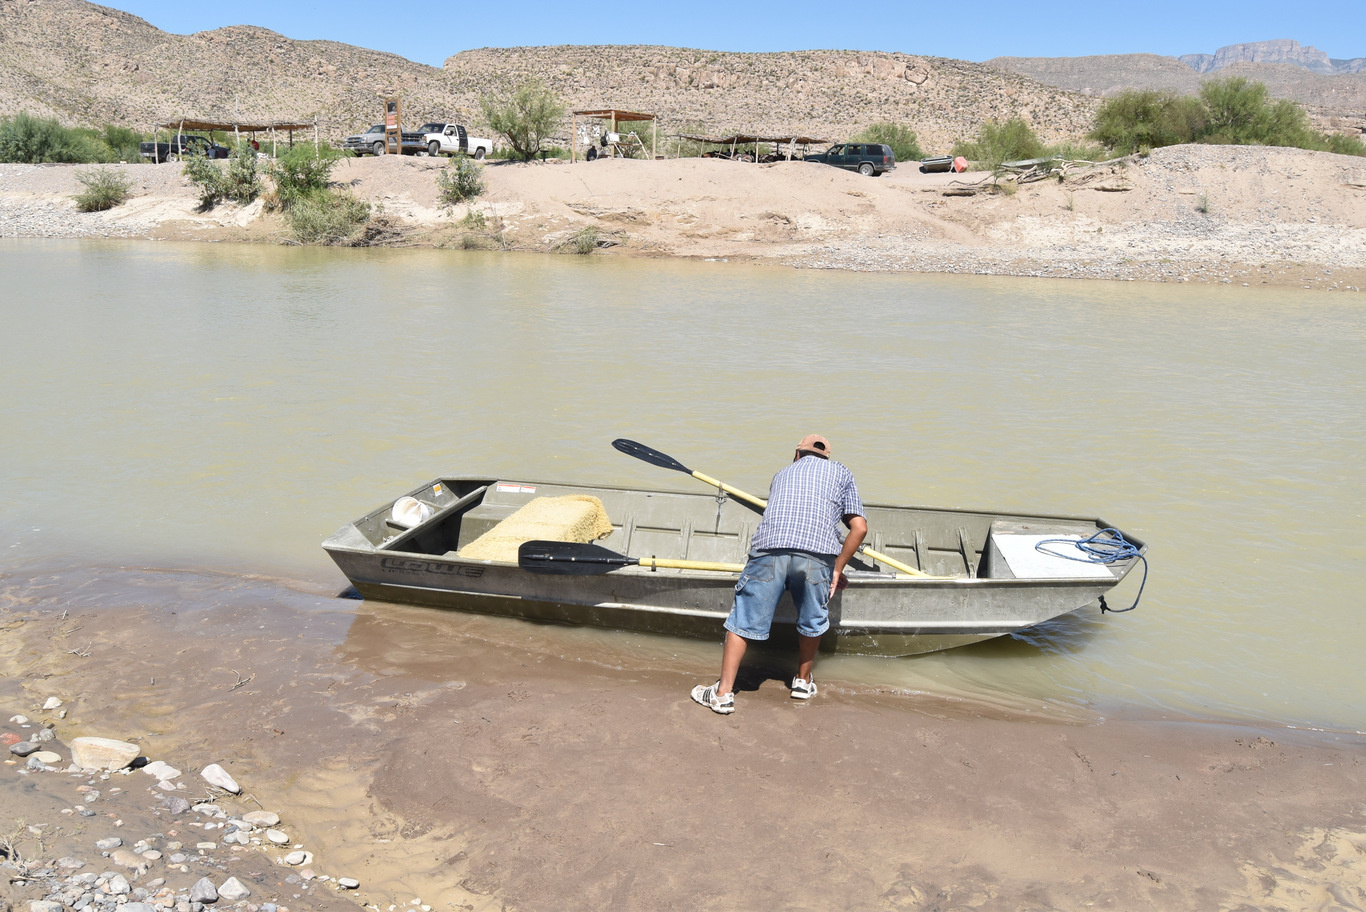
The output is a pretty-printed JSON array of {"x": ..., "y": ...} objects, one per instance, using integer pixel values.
[
  {"x": 1013, "y": 140},
  {"x": 900, "y": 137},
  {"x": 1242, "y": 113},
  {"x": 1135, "y": 120},
  {"x": 526, "y": 118}
]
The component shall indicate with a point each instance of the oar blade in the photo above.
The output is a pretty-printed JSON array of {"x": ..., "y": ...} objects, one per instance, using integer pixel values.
[
  {"x": 650, "y": 455},
  {"x": 569, "y": 558}
]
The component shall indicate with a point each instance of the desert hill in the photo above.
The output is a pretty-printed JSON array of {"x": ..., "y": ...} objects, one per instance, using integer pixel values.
[{"x": 88, "y": 64}]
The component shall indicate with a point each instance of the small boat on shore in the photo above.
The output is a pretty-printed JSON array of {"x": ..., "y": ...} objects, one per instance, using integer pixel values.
[{"x": 668, "y": 561}]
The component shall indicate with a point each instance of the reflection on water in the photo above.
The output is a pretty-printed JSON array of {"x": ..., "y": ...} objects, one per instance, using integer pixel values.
[{"x": 228, "y": 407}]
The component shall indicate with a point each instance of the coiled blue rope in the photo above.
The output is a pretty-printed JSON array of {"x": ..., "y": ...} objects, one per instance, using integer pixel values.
[{"x": 1098, "y": 550}]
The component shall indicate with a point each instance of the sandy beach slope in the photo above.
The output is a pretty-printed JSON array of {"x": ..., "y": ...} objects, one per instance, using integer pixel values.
[
  {"x": 1225, "y": 214},
  {"x": 440, "y": 760}
]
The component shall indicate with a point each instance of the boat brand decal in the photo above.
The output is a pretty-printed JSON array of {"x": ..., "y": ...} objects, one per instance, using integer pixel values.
[
  {"x": 409, "y": 565},
  {"x": 516, "y": 488}
]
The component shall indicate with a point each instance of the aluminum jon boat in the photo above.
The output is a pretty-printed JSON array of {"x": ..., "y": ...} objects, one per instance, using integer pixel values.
[{"x": 930, "y": 579}]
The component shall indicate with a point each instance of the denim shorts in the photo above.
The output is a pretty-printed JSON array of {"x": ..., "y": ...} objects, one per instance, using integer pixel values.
[{"x": 767, "y": 575}]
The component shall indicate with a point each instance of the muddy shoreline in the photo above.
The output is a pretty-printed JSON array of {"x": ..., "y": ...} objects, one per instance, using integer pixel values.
[
  {"x": 1234, "y": 215},
  {"x": 434, "y": 757}
]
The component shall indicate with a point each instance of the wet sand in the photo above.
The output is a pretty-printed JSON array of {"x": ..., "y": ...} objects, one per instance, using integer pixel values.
[{"x": 454, "y": 760}]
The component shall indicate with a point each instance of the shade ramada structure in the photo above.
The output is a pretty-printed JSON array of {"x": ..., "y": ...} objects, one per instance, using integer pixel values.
[
  {"x": 614, "y": 117},
  {"x": 237, "y": 127}
]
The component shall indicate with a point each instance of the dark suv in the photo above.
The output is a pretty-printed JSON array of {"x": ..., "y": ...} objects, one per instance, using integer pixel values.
[{"x": 868, "y": 159}]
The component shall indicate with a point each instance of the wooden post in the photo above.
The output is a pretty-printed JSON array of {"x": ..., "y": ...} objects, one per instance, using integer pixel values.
[{"x": 393, "y": 118}]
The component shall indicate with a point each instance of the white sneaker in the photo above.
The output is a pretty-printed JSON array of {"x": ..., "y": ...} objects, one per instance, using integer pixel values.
[
  {"x": 706, "y": 695},
  {"x": 803, "y": 689}
]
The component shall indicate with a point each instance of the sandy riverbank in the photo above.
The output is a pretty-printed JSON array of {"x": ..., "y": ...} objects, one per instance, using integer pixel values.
[
  {"x": 437, "y": 757},
  {"x": 1222, "y": 214}
]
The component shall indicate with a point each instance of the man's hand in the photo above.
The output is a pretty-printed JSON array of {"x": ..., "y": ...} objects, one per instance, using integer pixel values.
[{"x": 838, "y": 582}]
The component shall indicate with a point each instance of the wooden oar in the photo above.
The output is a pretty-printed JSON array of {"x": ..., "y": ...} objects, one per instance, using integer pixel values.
[
  {"x": 576, "y": 559},
  {"x": 663, "y": 460},
  {"x": 654, "y": 457}
]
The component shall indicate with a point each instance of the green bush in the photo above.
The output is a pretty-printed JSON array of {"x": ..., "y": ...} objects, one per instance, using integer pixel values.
[
  {"x": 330, "y": 217},
  {"x": 33, "y": 140},
  {"x": 1135, "y": 120},
  {"x": 526, "y": 118},
  {"x": 118, "y": 144},
  {"x": 1240, "y": 112},
  {"x": 1344, "y": 145},
  {"x": 584, "y": 241},
  {"x": 105, "y": 188},
  {"x": 461, "y": 182},
  {"x": 1013, "y": 140},
  {"x": 1233, "y": 111},
  {"x": 302, "y": 171},
  {"x": 242, "y": 179},
  {"x": 901, "y": 138},
  {"x": 207, "y": 176}
]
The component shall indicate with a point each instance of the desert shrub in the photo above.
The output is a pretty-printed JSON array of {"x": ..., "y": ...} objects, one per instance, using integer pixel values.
[
  {"x": 330, "y": 217},
  {"x": 118, "y": 144},
  {"x": 461, "y": 182},
  {"x": 1343, "y": 144},
  {"x": 1074, "y": 151},
  {"x": 1013, "y": 140},
  {"x": 1240, "y": 112},
  {"x": 583, "y": 241},
  {"x": 1147, "y": 119},
  {"x": 242, "y": 178},
  {"x": 105, "y": 188},
  {"x": 526, "y": 118},
  {"x": 901, "y": 138},
  {"x": 303, "y": 171},
  {"x": 206, "y": 175},
  {"x": 33, "y": 140}
]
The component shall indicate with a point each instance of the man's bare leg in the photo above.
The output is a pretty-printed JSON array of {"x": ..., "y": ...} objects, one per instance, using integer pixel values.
[
  {"x": 806, "y": 655},
  {"x": 731, "y": 654}
]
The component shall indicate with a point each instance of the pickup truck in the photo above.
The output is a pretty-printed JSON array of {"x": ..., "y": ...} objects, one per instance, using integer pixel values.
[
  {"x": 371, "y": 142},
  {"x": 179, "y": 147},
  {"x": 452, "y": 139}
]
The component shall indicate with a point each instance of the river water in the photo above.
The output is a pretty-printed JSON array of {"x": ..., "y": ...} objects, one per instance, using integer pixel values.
[{"x": 227, "y": 407}]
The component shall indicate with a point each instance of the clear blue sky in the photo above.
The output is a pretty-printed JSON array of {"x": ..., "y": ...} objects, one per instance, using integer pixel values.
[{"x": 429, "y": 32}]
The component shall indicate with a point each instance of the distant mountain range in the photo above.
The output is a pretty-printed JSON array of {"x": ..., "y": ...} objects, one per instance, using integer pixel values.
[{"x": 1282, "y": 50}]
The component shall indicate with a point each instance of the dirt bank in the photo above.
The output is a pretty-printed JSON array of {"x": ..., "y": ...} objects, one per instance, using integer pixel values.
[
  {"x": 1237, "y": 215},
  {"x": 442, "y": 765}
]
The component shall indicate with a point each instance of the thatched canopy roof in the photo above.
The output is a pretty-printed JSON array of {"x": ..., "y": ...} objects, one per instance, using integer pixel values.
[{"x": 194, "y": 123}]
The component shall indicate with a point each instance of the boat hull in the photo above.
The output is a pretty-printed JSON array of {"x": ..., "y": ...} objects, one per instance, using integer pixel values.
[{"x": 879, "y": 613}]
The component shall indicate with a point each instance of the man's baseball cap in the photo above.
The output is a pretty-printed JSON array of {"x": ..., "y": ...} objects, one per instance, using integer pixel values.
[{"x": 814, "y": 443}]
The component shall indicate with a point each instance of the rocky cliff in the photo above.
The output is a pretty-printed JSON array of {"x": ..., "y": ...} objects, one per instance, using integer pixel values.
[{"x": 1280, "y": 51}]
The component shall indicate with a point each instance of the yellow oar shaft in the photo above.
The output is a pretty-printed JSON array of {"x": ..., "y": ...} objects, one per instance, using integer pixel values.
[
  {"x": 655, "y": 563},
  {"x": 892, "y": 562},
  {"x": 733, "y": 492},
  {"x": 761, "y": 504}
]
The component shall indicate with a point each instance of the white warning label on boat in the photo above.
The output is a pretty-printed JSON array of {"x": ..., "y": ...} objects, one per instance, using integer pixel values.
[{"x": 505, "y": 488}]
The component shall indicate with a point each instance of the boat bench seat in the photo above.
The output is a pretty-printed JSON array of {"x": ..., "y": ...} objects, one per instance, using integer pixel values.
[{"x": 500, "y": 502}]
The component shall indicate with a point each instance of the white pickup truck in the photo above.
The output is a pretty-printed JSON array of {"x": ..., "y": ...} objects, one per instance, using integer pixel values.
[{"x": 451, "y": 139}]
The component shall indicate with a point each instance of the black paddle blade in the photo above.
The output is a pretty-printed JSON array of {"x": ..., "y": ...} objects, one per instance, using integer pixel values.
[
  {"x": 569, "y": 558},
  {"x": 650, "y": 455}
]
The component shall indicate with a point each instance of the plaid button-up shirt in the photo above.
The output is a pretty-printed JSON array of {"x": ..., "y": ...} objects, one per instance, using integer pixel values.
[{"x": 806, "y": 503}]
